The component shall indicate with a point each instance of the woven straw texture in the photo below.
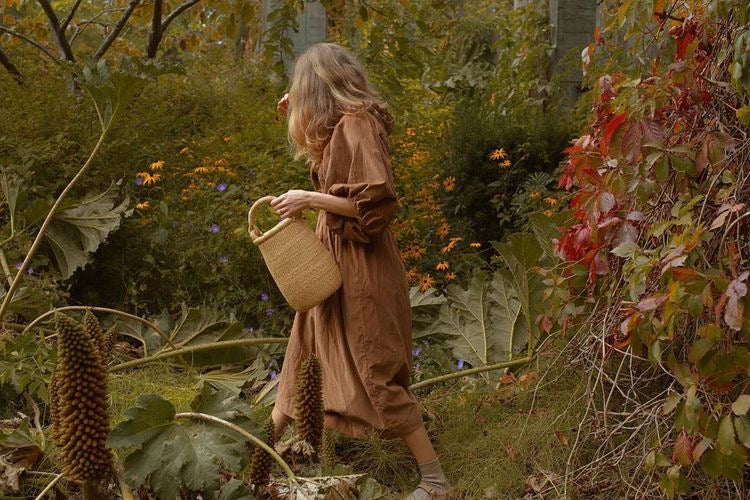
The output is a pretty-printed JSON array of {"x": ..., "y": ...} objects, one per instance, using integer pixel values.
[{"x": 302, "y": 267}]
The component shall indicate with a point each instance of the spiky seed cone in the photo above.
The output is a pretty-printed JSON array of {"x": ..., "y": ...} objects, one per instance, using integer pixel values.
[
  {"x": 82, "y": 393},
  {"x": 261, "y": 462},
  {"x": 328, "y": 453},
  {"x": 93, "y": 329},
  {"x": 309, "y": 404},
  {"x": 109, "y": 344},
  {"x": 54, "y": 406}
]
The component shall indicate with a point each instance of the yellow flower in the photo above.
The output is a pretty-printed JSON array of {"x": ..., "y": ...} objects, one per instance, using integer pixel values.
[
  {"x": 227, "y": 138},
  {"x": 449, "y": 184},
  {"x": 157, "y": 165},
  {"x": 412, "y": 275},
  {"x": 497, "y": 154},
  {"x": 221, "y": 162},
  {"x": 425, "y": 282},
  {"x": 443, "y": 230},
  {"x": 505, "y": 164},
  {"x": 475, "y": 244},
  {"x": 410, "y": 131},
  {"x": 142, "y": 205},
  {"x": 200, "y": 170},
  {"x": 151, "y": 179},
  {"x": 450, "y": 276},
  {"x": 548, "y": 213},
  {"x": 434, "y": 185},
  {"x": 550, "y": 200},
  {"x": 442, "y": 266},
  {"x": 185, "y": 150},
  {"x": 145, "y": 176},
  {"x": 534, "y": 194}
]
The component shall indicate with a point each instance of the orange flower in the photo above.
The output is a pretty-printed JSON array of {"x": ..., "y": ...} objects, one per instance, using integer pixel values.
[
  {"x": 442, "y": 266},
  {"x": 220, "y": 163},
  {"x": 426, "y": 282},
  {"x": 434, "y": 185},
  {"x": 497, "y": 154},
  {"x": 227, "y": 138},
  {"x": 157, "y": 165},
  {"x": 185, "y": 150},
  {"x": 548, "y": 213},
  {"x": 534, "y": 194},
  {"x": 550, "y": 200},
  {"x": 450, "y": 276},
  {"x": 200, "y": 170},
  {"x": 443, "y": 229},
  {"x": 505, "y": 164},
  {"x": 475, "y": 244},
  {"x": 142, "y": 205},
  {"x": 449, "y": 184},
  {"x": 410, "y": 131},
  {"x": 412, "y": 275}
]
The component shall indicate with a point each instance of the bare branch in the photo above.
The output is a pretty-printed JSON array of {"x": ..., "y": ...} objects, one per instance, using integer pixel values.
[
  {"x": 31, "y": 41},
  {"x": 176, "y": 12},
  {"x": 116, "y": 30},
  {"x": 67, "y": 20},
  {"x": 155, "y": 36},
  {"x": 62, "y": 42},
  {"x": 8, "y": 65}
]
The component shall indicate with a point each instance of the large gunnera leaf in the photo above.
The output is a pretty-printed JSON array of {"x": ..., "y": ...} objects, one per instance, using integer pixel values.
[
  {"x": 172, "y": 454},
  {"x": 76, "y": 232},
  {"x": 480, "y": 320},
  {"x": 425, "y": 307}
]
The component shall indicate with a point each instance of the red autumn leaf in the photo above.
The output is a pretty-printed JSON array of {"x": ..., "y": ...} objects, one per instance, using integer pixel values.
[
  {"x": 527, "y": 378},
  {"x": 682, "y": 44},
  {"x": 631, "y": 142},
  {"x": 598, "y": 35},
  {"x": 685, "y": 273},
  {"x": 629, "y": 324},
  {"x": 682, "y": 452},
  {"x": 546, "y": 324},
  {"x": 507, "y": 378},
  {"x": 651, "y": 303},
  {"x": 563, "y": 440},
  {"x": 653, "y": 131},
  {"x": 609, "y": 131},
  {"x": 719, "y": 308},
  {"x": 622, "y": 344}
]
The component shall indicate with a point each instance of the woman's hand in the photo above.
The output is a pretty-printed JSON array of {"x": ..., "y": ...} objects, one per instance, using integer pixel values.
[
  {"x": 292, "y": 203},
  {"x": 283, "y": 105}
]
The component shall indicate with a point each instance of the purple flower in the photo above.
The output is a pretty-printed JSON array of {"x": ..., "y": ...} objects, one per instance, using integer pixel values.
[
  {"x": 138, "y": 180},
  {"x": 273, "y": 374},
  {"x": 224, "y": 260},
  {"x": 250, "y": 329},
  {"x": 424, "y": 341},
  {"x": 215, "y": 228},
  {"x": 221, "y": 187},
  {"x": 415, "y": 352},
  {"x": 269, "y": 312},
  {"x": 18, "y": 265},
  {"x": 30, "y": 270},
  {"x": 263, "y": 296},
  {"x": 416, "y": 365},
  {"x": 460, "y": 364}
]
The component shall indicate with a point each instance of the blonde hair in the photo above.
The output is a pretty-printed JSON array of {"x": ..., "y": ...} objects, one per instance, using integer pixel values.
[{"x": 328, "y": 82}]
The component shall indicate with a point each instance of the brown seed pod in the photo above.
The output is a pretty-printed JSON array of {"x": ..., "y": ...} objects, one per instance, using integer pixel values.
[
  {"x": 93, "y": 329},
  {"x": 81, "y": 402},
  {"x": 309, "y": 401},
  {"x": 328, "y": 456},
  {"x": 54, "y": 405},
  {"x": 261, "y": 462}
]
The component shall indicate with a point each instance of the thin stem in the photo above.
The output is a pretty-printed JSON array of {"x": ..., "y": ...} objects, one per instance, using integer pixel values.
[
  {"x": 100, "y": 309},
  {"x": 256, "y": 441},
  {"x": 198, "y": 348},
  {"x": 45, "y": 224},
  {"x": 471, "y": 371},
  {"x": 49, "y": 487},
  {"x": 6, "y": 269},
  {"x": 33, "y": 42}
]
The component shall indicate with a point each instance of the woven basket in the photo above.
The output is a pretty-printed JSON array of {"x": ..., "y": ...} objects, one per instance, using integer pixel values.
[{"x": 302, "y": 267}]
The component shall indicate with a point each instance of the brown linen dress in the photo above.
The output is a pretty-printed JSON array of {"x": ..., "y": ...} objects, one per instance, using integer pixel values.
[{"x": 362, "y": 333}]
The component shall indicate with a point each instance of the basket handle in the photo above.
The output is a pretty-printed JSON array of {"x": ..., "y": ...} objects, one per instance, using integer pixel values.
[{"x": 252, "y": 227}]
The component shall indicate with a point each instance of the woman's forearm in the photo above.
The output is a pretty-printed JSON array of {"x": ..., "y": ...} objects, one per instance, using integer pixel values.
[{"x": 330, "y": 203}]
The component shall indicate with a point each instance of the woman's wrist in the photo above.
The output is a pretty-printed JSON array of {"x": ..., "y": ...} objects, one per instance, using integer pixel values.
[{"x": 313, "y": 200}]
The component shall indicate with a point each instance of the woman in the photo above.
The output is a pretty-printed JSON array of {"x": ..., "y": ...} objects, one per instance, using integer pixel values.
[{"x": 362, "y": 333}]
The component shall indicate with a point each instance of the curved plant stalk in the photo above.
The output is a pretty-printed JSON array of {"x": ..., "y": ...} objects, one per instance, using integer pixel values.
[
  {"x": 101, "y": 309},
  {"x": 264, "y": 392},
  {"x": 471, "y": 371},
  {"x": 38, "y": 240},
  {"x": 49, "y": 487},
  {"x": 197, "y": 348},
  {"x": 256, "y": 441},
  {"x": 117, "y": 468}
]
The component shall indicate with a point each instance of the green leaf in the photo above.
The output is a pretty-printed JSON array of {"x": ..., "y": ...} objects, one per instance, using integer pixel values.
[
  {"x": 174, "y": 454},
  {"x": 742, "y": 428},
  {"x": 480, "y": 319},
  {"x": 235, "y": 490},
  {"x": 425, "y": 307},
  {"x": 626, "y": 250},
  {"x": 726, "y": 440},
  {"x": 674, "y": 483},
  {"x": 75, "y": 233},
  {"x": 670, "y": 403},
  {"x": 741, "y": 405}
]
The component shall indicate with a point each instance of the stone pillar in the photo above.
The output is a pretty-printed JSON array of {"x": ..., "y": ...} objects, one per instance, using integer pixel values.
[{"x": 312, "y": 26}]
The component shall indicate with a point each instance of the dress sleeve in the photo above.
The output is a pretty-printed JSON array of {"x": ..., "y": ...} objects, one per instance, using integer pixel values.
[{"x": 363, "y": 175}]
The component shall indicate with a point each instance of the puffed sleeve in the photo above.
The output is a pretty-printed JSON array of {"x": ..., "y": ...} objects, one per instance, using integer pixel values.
[{"x": 362, "y": 174}]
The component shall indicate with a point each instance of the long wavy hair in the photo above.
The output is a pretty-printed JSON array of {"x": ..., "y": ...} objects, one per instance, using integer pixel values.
[{"x": 328, "y": 82}]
